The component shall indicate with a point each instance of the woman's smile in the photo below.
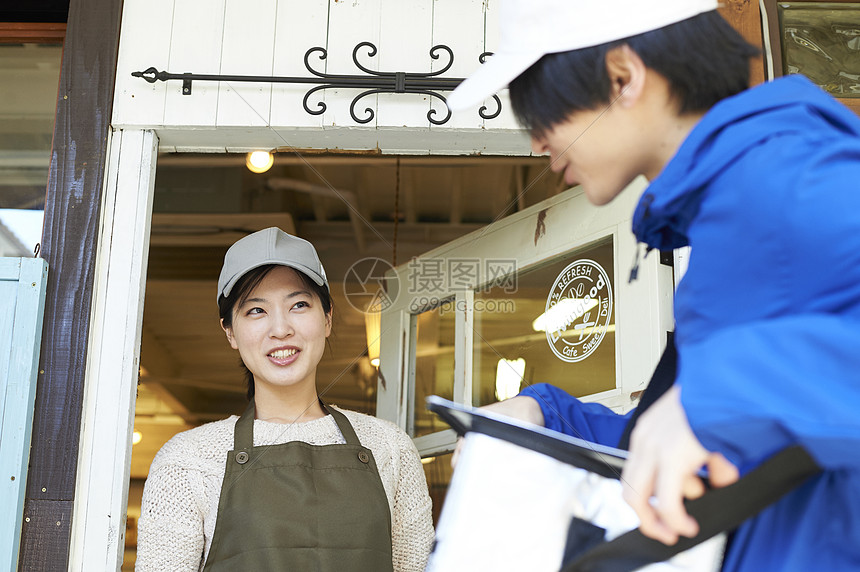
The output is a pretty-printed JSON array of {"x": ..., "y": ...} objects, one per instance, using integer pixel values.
[{"x": 284, "y": 356}]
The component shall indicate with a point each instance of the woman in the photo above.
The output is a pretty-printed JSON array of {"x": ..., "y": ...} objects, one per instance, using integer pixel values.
[{"x": 306, "y": 486}]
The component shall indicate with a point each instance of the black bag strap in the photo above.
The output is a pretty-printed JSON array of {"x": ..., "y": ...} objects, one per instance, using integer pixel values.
[{"x": 718, "y": 510}]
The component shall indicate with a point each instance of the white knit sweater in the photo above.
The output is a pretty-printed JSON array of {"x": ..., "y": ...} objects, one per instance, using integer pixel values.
[{"x": 180, "y": 498}]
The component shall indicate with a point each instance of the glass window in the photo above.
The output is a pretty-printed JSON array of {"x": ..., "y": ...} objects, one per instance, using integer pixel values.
[
  {"x": 434, "y": 364},
  {"x": 28, "y": 101},
  {"x": 821, "y": 40},
  {"x": 552, "y": 323}
]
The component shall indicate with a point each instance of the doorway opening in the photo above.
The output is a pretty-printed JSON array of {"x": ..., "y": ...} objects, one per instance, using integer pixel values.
[{"x": 356, "y": 209}]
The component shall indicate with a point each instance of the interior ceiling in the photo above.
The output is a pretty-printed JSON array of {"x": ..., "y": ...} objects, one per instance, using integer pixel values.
[{"x": 343, "y": 204}]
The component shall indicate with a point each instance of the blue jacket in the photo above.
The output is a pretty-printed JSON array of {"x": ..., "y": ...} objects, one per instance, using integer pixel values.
[{"x": 766, "y": 191}]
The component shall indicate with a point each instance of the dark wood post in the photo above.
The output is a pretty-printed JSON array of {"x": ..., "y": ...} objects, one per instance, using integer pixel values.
[{"x": 69, "y": 239}]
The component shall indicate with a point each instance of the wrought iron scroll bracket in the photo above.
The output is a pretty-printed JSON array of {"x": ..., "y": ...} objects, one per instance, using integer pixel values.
[{"x": 373, "y": 82}]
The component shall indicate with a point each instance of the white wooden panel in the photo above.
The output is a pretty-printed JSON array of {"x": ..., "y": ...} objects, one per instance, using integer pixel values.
[
  {"x": 198, "y": 26},
  {"x": 351, "y": 23},
  {"x": 407, "y": 140},
  {"x": 391, "y": 392},
  {"x": 464, "y": 329},
  {"x": 459, "y": 24},
  {"x": 300, "y": 26},
  {"x": 113, "y": 355},
  {"x": 405, "y": 39},
  {"x": 248, "y": 49},
  {"x": 506, "y": 120},
  {"x": 144, "y": 42},
  {"x": 437, "y": 443}
]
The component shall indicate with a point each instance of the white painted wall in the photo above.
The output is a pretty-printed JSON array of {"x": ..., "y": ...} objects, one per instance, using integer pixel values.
[{"x": 270, "y": 37}]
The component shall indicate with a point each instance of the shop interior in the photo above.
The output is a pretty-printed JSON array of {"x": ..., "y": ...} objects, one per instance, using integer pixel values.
[{"x": 356, "y": 210}]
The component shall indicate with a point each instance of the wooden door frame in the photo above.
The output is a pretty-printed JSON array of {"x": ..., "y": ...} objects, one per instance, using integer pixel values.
[{"x": 69, "y": 240}]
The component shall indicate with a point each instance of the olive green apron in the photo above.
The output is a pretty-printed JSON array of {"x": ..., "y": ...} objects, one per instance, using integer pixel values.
[{"x": 295, "y": 506}]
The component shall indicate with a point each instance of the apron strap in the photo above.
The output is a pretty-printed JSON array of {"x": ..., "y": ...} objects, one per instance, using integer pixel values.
[
  {"x": 243, "y": 435},
  {"x": 343, "y": 424}
]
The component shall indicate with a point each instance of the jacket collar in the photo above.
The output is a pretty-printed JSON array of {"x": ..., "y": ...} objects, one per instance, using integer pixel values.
[{"x": 731, "y": 128}]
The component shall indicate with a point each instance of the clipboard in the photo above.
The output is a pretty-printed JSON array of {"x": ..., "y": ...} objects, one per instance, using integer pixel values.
[
  {"x": 718, "y": 510},
  {"x": 600, "y": 459}
]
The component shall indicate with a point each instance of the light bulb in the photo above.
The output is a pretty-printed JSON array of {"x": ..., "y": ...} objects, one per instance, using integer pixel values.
[{"x": 259, "y": 161}]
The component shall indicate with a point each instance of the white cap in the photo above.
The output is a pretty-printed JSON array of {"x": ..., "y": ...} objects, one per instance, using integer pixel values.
[{"x": 531, "y": 29}]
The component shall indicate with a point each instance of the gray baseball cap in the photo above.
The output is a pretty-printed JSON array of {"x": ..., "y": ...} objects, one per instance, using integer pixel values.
[{"x": 269, "y": 246}]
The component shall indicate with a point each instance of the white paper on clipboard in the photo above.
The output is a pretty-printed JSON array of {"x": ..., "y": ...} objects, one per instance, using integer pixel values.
[{"x": 516, "y": 489}]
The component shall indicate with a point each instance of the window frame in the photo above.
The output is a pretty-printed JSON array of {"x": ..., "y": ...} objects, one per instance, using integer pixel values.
[{"x": 542, "y": 233}]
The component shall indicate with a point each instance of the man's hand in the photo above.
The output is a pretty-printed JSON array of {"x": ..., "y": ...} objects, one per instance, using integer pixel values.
[{"x": 664, "y": 459}]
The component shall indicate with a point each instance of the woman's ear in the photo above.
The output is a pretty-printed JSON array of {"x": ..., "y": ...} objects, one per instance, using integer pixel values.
[
  {"x": 229, "y": 332},
  {"x": 627, "y": 73},
  {"x": 328, "y": 323}
]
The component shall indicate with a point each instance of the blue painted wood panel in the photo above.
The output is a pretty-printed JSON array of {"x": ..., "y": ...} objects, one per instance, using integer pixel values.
[{"x": 22, "y": 305}]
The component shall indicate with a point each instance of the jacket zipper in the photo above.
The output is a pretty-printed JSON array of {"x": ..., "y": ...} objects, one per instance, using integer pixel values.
[{"x": 634, "y": 271}]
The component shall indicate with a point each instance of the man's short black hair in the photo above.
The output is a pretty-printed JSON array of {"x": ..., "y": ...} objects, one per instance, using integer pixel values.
[{"x": 703, "y": 58}]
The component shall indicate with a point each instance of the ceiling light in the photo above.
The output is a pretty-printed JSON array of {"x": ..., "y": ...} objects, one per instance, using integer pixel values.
[
  {"x": 259, "y": 161},
  {"x": 136, "y": 437}
]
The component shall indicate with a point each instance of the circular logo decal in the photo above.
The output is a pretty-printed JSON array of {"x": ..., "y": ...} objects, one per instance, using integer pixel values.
[{"x": 578, "y": 310}]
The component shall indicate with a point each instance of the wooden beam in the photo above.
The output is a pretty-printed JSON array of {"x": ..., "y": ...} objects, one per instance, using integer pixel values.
[
  {"x": 212, "y": 229},
  {"x": 456, "y": 197},
  {"x": 69, "y": 239},
  {"x": 35, "y": 32},
  {"x": 745, "y": 17},
  {"x": 407, "y": 195},
  {"x": 347, "y": 197},
  {"x": 852, "y": 104},
  {"x": 304, "y": 159}
]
